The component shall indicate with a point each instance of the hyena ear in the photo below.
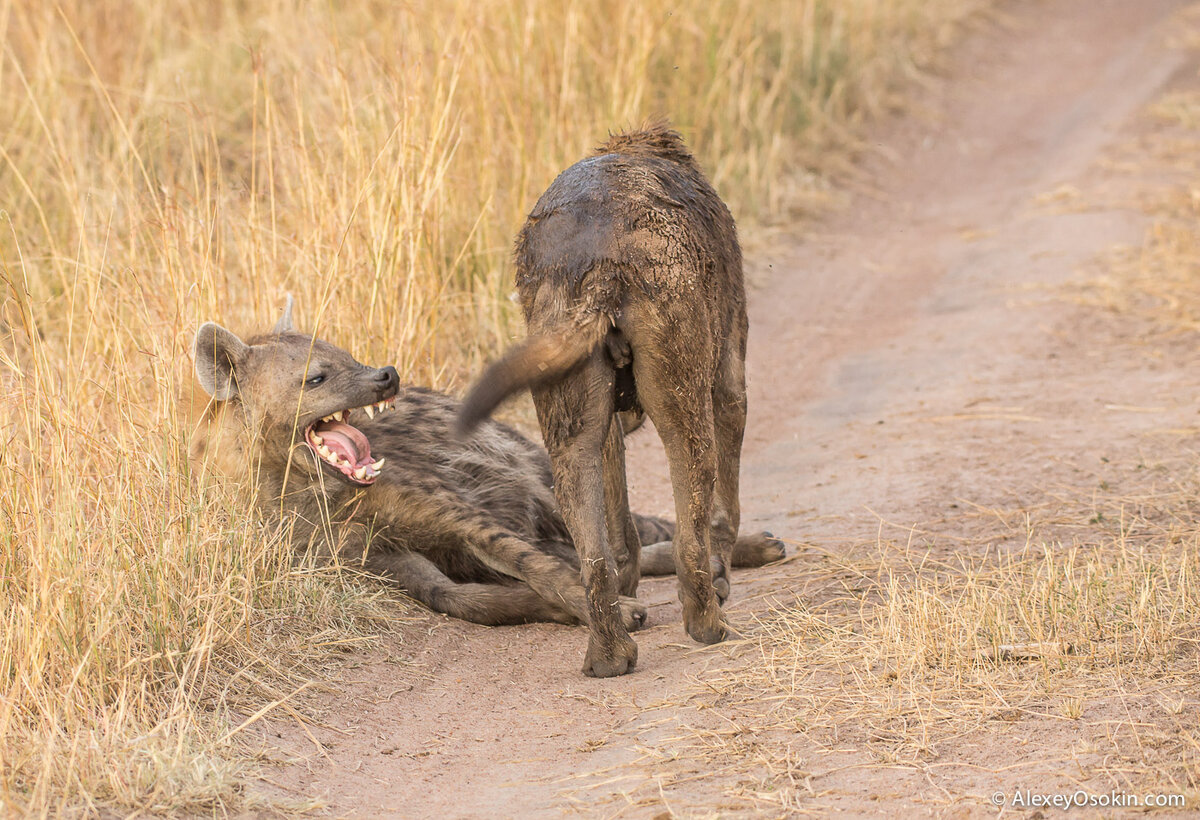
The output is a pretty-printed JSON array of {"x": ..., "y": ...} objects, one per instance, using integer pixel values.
[
  {"x": 284, "y": 325},
  {"x": 218, "y": 353}
]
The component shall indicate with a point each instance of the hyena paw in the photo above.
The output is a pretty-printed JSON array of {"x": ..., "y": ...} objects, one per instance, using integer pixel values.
[
  {"x": 705, "y": 625},
  {"x": 607, "y": 659},
  {"x": 758, "y": 549},
  {"x": 633, "y": 614}
]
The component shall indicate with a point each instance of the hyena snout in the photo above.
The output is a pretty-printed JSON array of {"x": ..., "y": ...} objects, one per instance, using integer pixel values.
[{"x": 386, "y": 380}]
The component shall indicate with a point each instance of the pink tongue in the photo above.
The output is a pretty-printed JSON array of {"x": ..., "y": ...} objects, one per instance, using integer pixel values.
[{"x": 346, "y": 441}]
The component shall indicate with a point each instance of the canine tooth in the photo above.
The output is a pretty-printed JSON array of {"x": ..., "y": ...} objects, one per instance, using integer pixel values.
[
  {"x": 370, "y": 410},
  {"x": 338, "y": 415},
  {"x": 360, "y": 473},
  {"x": 378, "y": 465}
]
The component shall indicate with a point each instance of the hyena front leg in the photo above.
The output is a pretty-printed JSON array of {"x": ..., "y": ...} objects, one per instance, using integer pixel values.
[
  {"x": 658, "y": 556},
  {"x": 490, "y": 604},
  {"x": 433, "y": 516},
  {"x": 548, "y": 575}
]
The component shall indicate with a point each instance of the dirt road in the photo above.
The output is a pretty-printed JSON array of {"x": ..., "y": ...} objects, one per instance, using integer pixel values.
[{"x": 910, "y": 354}]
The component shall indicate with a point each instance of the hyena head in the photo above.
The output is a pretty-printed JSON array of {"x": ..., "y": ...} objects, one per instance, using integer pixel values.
[{"x": 288, "y": 402}]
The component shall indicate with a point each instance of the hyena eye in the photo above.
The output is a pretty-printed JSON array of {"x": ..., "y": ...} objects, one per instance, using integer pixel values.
[{"x": 313, "y": 381}]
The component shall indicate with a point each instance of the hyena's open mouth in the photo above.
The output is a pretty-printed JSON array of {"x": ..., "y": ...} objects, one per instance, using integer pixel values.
[{"x": 343, "y": 446}]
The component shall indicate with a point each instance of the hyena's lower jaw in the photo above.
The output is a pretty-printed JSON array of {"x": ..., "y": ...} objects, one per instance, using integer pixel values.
[{"x": 344, "y": 448}]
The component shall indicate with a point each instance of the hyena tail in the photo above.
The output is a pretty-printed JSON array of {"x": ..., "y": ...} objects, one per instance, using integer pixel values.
[{"x": 541, "y": 359}]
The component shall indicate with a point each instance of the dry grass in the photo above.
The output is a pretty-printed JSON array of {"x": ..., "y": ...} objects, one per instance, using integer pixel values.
[
  {"x": 1160, "y": 280},
  {"x": 166, "y": 163},
  {"x": 1053, "y": 647},
  {"x": 904, "y": 655}
]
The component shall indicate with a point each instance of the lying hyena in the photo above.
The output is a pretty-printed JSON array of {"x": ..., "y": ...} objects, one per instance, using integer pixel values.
[
  {"x": 369, "y": 468},
  {"x": 630, "y": 274}
]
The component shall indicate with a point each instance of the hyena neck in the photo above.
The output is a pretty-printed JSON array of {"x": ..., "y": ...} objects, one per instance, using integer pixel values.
[
  {"x": 228, "y": 444},
  {"x": 280, "y": 488},
  {"x": 219, "y": 443}
]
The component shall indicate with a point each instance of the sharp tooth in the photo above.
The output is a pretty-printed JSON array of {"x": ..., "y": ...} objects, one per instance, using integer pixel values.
[
  {"x": 338, "y": 415},
  {"x": 381, "y": 406},
  {"x": 317, "y": 439},
  {"x": 327, "y": 418},
  {"x": 360, "y": 473},
  {"x": 378, "y": 465},
  {"x": 324, "y": 450},
  {"x": 370, "y": 411}
]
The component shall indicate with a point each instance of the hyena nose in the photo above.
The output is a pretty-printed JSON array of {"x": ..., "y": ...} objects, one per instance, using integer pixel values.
[{"x": 387, "y": 378}]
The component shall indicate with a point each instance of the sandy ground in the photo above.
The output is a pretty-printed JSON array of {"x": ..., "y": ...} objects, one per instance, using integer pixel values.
[{"x": 912, "y": 353}]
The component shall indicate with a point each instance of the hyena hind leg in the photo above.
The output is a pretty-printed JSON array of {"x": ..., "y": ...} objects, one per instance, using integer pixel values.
[{"x": 748, "y": 551}]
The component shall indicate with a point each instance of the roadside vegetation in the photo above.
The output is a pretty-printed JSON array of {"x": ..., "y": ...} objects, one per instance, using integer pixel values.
[
  {"x": 1071, "y": 623},
  {"x": 1051, "y": 639},
  {"x": 1070, "y": 619},
  {"x": 166, "y": 163},
  {"x": 1158, "y": 281}
]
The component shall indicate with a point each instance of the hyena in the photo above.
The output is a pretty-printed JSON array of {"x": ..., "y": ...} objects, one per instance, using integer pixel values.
[
  {"x": 369, "y": 468},
  {"x": 630, "y": 275}
]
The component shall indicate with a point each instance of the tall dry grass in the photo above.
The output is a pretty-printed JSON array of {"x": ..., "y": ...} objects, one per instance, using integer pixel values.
[
  {"x": 1159, "y": 280},
  {"x": 165, "y": 163}
]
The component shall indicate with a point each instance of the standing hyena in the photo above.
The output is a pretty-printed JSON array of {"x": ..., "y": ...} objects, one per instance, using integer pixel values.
[
  {"x": 630, "y": 275},
  {"x": 369, "y": 468}
]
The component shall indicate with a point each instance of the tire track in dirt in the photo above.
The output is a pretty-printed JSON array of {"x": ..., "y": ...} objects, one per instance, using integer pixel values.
[
  {"x": 917, "y": 288},
  {"x": 911, "y": 307}
]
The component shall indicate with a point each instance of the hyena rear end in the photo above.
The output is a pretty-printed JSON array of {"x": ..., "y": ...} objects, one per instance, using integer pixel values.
[{"x": 630, "y": 274}]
